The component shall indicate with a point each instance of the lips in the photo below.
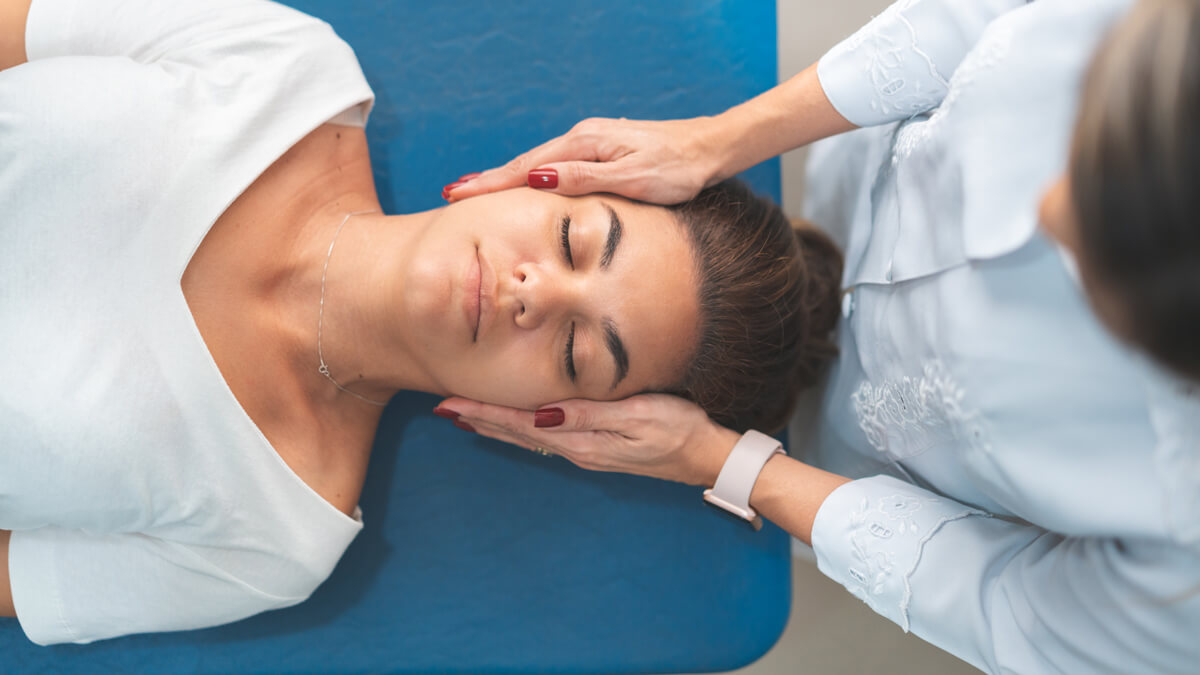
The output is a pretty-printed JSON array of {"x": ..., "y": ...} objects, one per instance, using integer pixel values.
[
  {"x": 471, "y": 292},
  {"x": 486, "y": 296}
]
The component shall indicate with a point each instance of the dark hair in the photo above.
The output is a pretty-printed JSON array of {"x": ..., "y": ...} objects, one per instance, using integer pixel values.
[
  {"x": 768, "y": 302},
  {"x": 1135, "y": 179}
]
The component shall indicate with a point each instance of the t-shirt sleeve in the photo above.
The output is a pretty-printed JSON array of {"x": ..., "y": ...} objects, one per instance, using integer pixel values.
[
  {"x": 1008, "y": 596},
  {"x": 71, "y": 586},
  {"x": 227, "y": 44},
  {"x": 900, "y": 63}
]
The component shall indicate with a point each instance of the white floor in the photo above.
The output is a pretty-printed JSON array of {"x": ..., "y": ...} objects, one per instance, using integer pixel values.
[{"x": 830, "y": 631}]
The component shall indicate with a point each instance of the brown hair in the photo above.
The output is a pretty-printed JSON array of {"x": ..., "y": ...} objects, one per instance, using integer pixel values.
[
  {"x": 1135, "y": 179},
  {"x": 768, "y": 303}
]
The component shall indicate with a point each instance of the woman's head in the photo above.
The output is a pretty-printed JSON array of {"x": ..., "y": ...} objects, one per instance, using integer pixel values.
[
  {"x": 525, "y": 297},
  {"x": 1129, "y": 207},
  {"x": 768, "y": 297}
]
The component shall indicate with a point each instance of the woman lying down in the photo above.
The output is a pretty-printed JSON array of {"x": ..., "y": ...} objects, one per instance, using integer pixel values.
[{"x": 203, "y": 310}]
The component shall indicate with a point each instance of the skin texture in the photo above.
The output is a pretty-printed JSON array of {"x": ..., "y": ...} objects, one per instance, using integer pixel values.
[{"x": 532, "y": 296}]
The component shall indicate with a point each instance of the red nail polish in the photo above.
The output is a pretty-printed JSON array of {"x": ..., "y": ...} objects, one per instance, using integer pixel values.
[
  {"x": 449, "y": 188},
  {"x": 445, "y": 412},
  {"x": 544, "y": 179},
  {"x": 464, "y": 426},
  {"x": 468, "y": 176},
  {"x": 549, "y": 417}
]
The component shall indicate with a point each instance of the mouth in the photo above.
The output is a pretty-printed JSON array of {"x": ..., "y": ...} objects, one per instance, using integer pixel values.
[
  {"x": 485, "y": 297},
  {"x": 472, "y": 289}
]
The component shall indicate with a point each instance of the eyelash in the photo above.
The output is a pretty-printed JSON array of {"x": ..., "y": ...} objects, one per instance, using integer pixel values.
[
  {"x": 569, "y": 359},
  {"x": 565, "y": 237}
]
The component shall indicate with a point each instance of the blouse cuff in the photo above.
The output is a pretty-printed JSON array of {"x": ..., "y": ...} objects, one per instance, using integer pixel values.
[
  {"x": 869, "y": 535},
  {"x": 894, "y": 67}
]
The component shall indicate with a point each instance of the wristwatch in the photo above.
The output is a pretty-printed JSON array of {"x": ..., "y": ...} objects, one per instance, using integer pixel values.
[{"x": 731, "y": 492}]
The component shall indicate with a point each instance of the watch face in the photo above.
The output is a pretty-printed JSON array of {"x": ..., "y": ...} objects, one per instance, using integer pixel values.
[{"x": 755, "y": 523}]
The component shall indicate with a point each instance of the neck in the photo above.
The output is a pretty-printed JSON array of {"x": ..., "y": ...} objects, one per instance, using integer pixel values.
[{"x": 363, "y": 340}]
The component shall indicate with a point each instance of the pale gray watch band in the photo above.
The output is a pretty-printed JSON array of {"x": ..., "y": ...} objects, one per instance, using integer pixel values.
[{"x": 740, "y": 472}]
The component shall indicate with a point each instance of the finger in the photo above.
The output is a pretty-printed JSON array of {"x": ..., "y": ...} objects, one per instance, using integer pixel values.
[
  {"x": 514, "y": 419},
  {"x": 579, "y": 448},
  {"x": 574, "y": 423},
  {"x": 516, "y": 172},
  {"x": 581, "y": 178},
  {"x": 620, "y": 417}
]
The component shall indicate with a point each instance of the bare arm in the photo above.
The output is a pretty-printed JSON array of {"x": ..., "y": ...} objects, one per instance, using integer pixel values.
[
  {"x": 786, "y": 117},
  {"x": 13, "y": 14},
  {"x": 670, "y": 161},
  {"x": 6, "y": 599}
]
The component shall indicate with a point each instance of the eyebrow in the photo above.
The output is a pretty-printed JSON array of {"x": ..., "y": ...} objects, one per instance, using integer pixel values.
[
  {"x": 615, "y": 228},
  {"x": 617, "y": 348}
]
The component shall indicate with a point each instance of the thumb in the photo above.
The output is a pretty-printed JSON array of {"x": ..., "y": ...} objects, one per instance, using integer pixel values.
[{"x": 580, "y": 178}]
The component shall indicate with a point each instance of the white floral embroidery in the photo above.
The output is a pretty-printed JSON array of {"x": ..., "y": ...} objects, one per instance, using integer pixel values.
[
  {"x": 885, "y": 64},
  {"x": 883, "y": 532},
  {"x": 905, "y": 417},
  {"x": 993, "y": 49},
  {"x": 870, "y": 568}
]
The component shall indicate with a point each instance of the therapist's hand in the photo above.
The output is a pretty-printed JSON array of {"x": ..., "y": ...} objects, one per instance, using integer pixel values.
[
  {"x": 660, "y": 162},
  {"x": 652, "y": 435}
]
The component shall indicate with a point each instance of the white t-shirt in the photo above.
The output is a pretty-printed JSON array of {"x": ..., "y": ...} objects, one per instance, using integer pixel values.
[{"x": 140, "y": 494}]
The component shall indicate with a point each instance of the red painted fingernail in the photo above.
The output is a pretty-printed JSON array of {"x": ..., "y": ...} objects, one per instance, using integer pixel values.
[
  {"x": 464, "y": 426},
  {"x": 544, "y": 179},
  {"x": 468, "y": 176},
  {"x": 445, "y": 412},
  {"x": 450, "y": 188},
  {"x": 549, "y": 417}
]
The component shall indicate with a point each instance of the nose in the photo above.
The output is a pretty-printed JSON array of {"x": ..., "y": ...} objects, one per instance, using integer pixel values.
[{"x": 541, "y": 295}]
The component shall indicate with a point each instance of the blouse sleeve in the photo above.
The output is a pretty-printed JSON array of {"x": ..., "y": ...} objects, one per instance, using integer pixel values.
[
  {"x": 63, "y": 579},
  {"x": 1007, "y": 596},
  {"x": 900, "y": 63}
]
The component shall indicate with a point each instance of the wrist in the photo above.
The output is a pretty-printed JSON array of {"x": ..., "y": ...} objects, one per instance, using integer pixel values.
[
  {"x": 732, "y": 490},
  {"x": 718, "y": 141},
  {"x": 707, "y": 464}
]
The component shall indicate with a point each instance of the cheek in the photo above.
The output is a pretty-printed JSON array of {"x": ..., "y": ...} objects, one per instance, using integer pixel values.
[{"x": 522, "y": 375}]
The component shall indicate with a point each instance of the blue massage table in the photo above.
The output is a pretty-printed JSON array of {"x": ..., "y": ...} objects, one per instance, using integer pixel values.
[{"x": 478, "y": 557}]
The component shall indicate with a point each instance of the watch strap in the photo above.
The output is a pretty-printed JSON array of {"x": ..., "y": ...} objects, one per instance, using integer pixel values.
[{"x": 739, "y": 474}]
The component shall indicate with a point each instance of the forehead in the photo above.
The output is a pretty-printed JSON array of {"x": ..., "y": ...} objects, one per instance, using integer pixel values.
[{"x": 651, "y": 294}]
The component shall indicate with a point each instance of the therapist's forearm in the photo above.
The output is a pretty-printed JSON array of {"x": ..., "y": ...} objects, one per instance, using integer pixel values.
[
  {"x": 789, "y": 493},
  {"x": 791, "y": 115}
]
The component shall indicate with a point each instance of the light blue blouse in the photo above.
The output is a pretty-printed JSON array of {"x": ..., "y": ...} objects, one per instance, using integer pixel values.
[{"x": 1028, "y": 493}]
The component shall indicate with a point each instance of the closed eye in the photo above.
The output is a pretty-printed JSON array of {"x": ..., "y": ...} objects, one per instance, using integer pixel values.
[
  {"x": 565, "y": 236},
  {"x": 569, "y": 356}
]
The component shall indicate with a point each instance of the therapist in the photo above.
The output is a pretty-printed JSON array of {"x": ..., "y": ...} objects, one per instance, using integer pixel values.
[{"x": 1007, "y": 465}]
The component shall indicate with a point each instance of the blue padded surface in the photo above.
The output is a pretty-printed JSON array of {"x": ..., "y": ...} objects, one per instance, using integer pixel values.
[{"x": 478, "y": 557}]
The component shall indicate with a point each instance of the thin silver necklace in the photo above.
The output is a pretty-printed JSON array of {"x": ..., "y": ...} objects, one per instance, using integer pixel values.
[{"x": 323, "y": 368}]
